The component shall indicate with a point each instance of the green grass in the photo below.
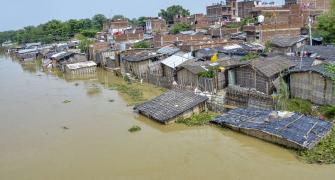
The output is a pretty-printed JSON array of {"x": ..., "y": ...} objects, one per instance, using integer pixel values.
[
  {"x": 323, "y": 153},
  {"x": 197, "y": 119},
  {"x": 134, "y": 93},
  {"x": 134, "y": 129},
  {"x": 299, "y": 105},
  {"x": 328, "y": 112}
]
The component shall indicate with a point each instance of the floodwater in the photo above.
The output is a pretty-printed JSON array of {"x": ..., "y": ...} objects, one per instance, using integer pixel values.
[{"x": 42, "y": 138}]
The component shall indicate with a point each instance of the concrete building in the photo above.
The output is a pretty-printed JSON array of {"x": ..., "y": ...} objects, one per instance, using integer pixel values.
[
  {"x": 222, "y": 11},
  {"x": 155, "y": 26}
]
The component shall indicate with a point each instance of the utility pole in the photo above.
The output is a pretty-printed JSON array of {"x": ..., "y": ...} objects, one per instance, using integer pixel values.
[{"x": 310, "y": 30}]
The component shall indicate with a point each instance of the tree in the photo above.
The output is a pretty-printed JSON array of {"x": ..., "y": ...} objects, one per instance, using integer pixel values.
[
  {"x": 98, "y": 21},
  {"x": 177, "y": 28},
  {"x": 173, "y": 11},
  {"x": 142, "y": 44},
  {"x": 142, "y": 21},
  {"x": 326, "y": 24},
  {"x": 55, "y": 30},
  {"x": 119, "y": 16},
  {"x": 85, "y": 42}
]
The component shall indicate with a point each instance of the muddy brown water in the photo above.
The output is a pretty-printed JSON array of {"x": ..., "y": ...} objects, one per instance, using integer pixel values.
[{"x": 96, "y": 144}]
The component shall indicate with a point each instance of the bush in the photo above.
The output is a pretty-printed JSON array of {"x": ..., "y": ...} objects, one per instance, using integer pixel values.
[
  {"x": 328, "y": 112},
  {"x": 142, "y": 45},
  {"x": 177, "y": 28},
  {"x": 197, "y": 120},
  {"x": 250, "y": 56},
  {"x": 210, "y": 73},
  {"x": 299, "y": 105}
]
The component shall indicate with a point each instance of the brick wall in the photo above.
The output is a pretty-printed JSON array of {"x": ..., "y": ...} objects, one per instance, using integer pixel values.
[
  {"x": 162, "y": 40},
  {"x": 129, "y": 37}
]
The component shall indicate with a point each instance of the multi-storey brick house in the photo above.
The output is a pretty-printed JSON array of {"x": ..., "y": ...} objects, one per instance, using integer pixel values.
[{"x": 222, "y": 11}]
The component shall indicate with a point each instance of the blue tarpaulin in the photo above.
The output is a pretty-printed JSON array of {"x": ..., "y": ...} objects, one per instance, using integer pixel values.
[{"x": 293, "y": 130}]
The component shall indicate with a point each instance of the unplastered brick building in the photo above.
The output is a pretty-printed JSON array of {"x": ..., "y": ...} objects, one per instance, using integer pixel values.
[{"x": 222, "y": 11}]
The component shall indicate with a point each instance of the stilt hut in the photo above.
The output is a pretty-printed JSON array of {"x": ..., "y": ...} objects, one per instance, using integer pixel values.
[{"x": 86, "y": 67}]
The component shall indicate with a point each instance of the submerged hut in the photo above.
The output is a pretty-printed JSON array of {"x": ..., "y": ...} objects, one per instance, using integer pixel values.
[
  {"x": 171, "y": 105},
  {"x": 288, "y": 129},
  {"x": 313, "y": 83},
  {"x": 28, "y": 54},
  {"x": 81, "y": 67}
]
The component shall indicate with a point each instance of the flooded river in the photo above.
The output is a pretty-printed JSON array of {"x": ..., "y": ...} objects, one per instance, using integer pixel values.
[{"x": 43, "y": 138}]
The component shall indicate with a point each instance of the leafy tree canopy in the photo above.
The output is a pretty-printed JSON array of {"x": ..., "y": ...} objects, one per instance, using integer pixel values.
[
  {"x": 142, "y": 44},
  {"x": 177, "y": 28},
  {"x": 55, "y": 30},
  {"x": 119, "y": 16},
  {"x": 173, "y": 11},
  {"x": 326, "y": 24}
]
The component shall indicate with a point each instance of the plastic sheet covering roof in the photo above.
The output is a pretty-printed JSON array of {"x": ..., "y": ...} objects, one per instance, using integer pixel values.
[
  {"x": 290, "y": 129},
  {"x": 177, "y": 59},
  {"x": 170, "y": 104},
  {"x": 81, "y": 65}
]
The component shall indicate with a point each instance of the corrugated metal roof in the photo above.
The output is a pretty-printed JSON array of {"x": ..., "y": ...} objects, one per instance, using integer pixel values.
[
  {"x": 177, "y": 59},
  {"x": 81, "y": 65}
]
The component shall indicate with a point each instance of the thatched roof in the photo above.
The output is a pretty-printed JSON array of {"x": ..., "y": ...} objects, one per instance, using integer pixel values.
[
  {"x": 168, "y": 50},
  {"x": 321, "y": 69},
  {"x": 141, "y": 56},
  {"x": 170, "y": 104},
  {"x": 271, "y": 66},
  {"x": 282, "y": 41},
  {"x": 290, "y": 129},
  {"x": 323, "y": 52}
]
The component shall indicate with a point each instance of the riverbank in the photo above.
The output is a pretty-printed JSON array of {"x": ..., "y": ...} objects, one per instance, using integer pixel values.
[{"x": 323, "y": 153}]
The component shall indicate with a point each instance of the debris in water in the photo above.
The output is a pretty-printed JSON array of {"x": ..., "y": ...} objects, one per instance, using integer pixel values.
[
  {"x": 65, "y": 128},
  {"x": 111, "y": 100},
  {"x": 134, "y": 129},
  {"x": 66, "y": 101},
  {"x": 76, "y": 84}
]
